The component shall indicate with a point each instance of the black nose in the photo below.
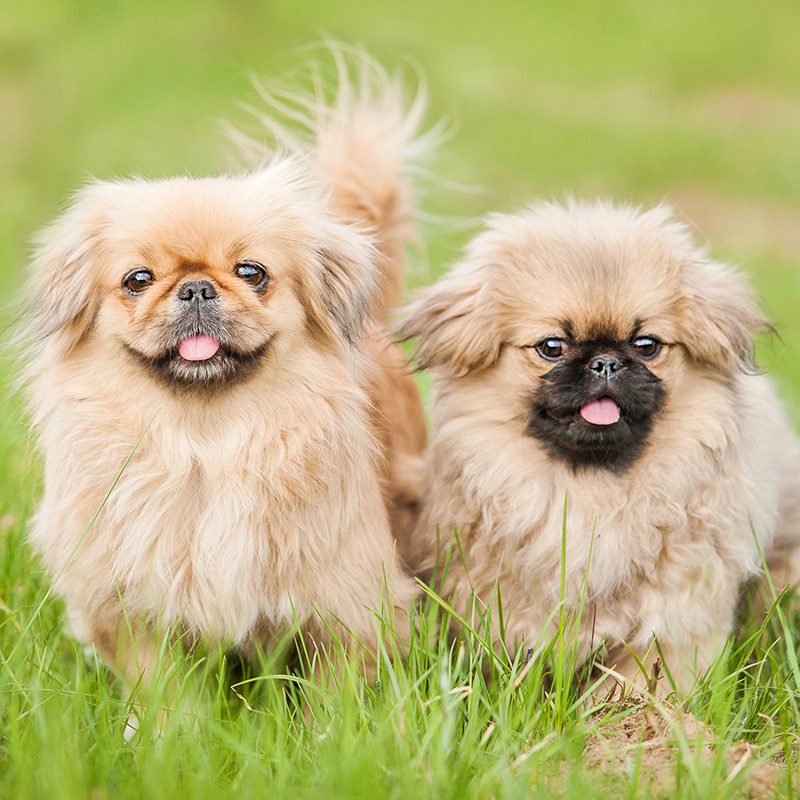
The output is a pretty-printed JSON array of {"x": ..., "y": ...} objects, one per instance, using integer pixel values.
[
  {"x": 605, "y": 366},
  {"x": 197, "y": 290}
]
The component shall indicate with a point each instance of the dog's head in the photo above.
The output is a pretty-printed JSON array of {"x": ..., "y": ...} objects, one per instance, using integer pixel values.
[
  {"x": 591, "y": 318},
  {"x": 195, "y": 280}
]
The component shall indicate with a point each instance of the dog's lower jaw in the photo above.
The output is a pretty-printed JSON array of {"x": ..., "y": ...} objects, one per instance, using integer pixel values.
[
  {"x": 224, "y": 369},
  {"x": 585, "y": 446}
]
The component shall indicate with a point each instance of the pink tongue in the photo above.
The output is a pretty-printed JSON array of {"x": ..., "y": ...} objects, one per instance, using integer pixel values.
[
  {"x": 198, "y": 348},
  {"x": 601, "y": 412}
]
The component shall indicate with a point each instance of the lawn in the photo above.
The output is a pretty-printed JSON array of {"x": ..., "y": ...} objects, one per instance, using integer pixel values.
[{"x": 690, "y": 102}]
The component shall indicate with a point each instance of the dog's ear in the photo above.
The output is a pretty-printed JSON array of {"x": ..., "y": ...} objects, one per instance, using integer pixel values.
[
  {"x": 455, "y": 322},
  {"x": 61, "y": 288},
  {"x": 719, "y": 316},
  {"x": 343, "y": 297}
]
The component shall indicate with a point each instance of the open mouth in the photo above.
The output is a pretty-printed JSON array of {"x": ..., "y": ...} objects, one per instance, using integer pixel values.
[
  {"x": 198, "y": 348},
  {"x": 596, "y": 435},
  {"x": 202, "y": 361},
  {"x": 601, "y": 412}
]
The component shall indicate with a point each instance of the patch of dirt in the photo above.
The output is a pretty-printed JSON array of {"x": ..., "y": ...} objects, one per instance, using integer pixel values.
[{"x": 635, "y": 731}]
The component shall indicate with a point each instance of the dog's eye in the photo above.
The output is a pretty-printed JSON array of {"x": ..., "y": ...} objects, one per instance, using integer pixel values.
[
  {"x": 253, "y": 273},
  {"x": 551, "y": 349},
  {"x": 647, "y": 347},
  {"x": 137, "y": 281}
]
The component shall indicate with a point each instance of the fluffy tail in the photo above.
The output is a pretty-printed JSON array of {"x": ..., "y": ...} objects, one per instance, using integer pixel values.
[{"x": 363, "y": 142}]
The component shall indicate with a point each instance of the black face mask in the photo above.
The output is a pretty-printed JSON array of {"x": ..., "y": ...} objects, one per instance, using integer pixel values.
[{"x": 612, "y": 373}]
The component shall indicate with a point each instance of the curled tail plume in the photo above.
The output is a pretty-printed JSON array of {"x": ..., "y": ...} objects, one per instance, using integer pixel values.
[{"x": 363, "y": 140}]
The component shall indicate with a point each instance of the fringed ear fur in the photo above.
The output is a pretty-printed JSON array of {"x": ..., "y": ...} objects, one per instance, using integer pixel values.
[
  {"x": 61, "y": 286},
  {"x": 341, "y": 301},
  {"x": 719, "y": 316},
  {"x": 455, "y": 322}
]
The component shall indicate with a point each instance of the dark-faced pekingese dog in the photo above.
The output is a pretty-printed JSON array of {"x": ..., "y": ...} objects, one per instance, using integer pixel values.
[
  {"x": 218, "y": 342},
  {"x": 593, "y": 355}
]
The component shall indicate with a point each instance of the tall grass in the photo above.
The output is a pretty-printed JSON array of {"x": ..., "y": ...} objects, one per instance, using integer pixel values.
[{"x": 456, "y": 718}]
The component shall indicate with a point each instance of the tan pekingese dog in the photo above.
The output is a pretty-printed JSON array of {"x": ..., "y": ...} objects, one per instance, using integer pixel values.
[
  {"x": 593, "y": 358},
  {"x": 217, "y": 344}
]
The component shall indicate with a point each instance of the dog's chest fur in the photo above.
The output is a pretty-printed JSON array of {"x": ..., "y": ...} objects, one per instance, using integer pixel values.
[
  {"x": 660, "y": 551},
  {"x": 221, "y": 525}
]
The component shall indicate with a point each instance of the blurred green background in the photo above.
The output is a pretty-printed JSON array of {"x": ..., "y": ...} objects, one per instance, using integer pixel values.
[{"x": 688, "y": 101}]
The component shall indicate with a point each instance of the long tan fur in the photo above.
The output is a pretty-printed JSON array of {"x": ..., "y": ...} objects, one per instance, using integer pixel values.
[
  {"x": 252, "y": 502},
  {"x": 666, "y": 543},
  {"x": 362, "y": 145}
]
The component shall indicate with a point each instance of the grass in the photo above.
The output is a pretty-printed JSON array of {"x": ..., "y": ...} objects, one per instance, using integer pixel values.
[
  {"x": 689, "y": 101},
  {"x": 450, "y": 721}
]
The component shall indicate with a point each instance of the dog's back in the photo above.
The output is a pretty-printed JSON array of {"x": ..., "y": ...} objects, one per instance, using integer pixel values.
[{"x": 361, "y": 143}]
